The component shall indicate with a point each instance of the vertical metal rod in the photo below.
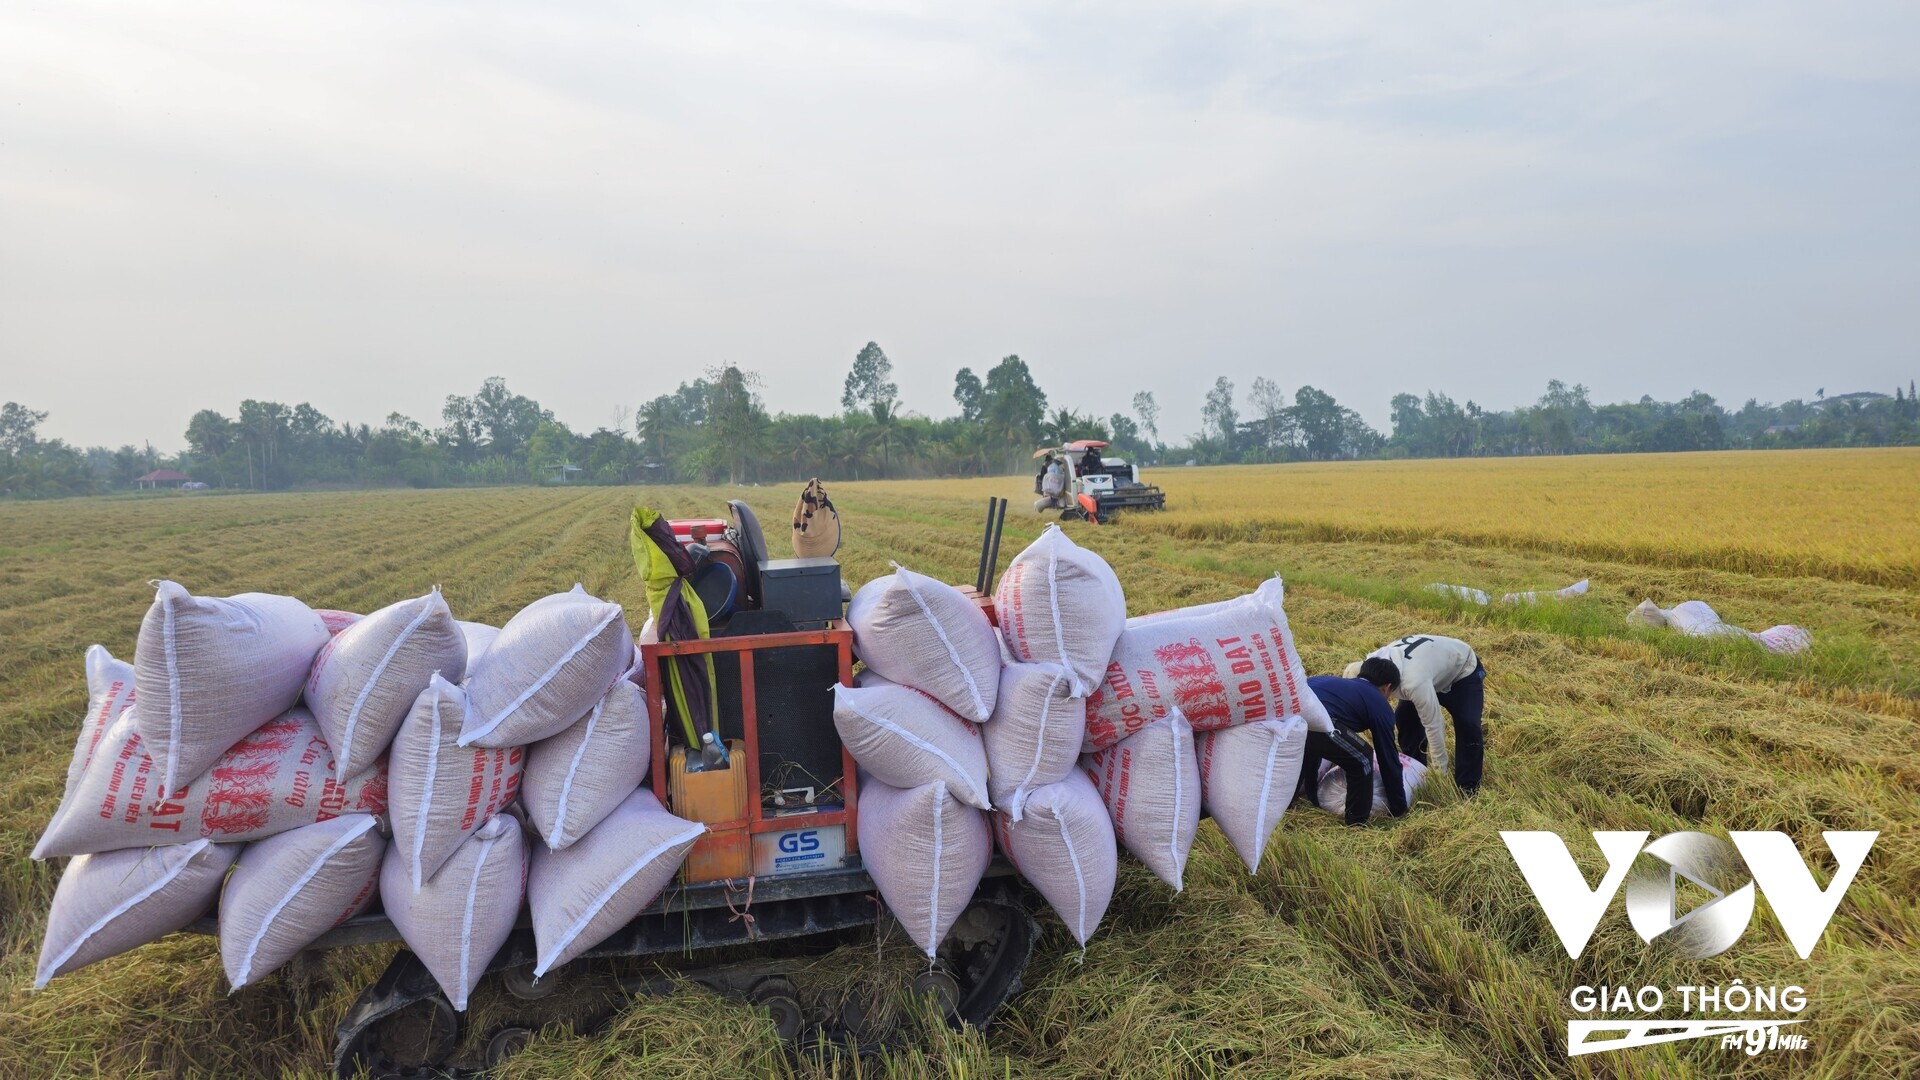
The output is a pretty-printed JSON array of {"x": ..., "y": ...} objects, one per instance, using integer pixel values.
[
  {"x": 993, "y": 557},
  {"x": 986, "y": 535}
]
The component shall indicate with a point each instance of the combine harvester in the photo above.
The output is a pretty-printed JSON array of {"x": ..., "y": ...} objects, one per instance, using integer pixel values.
[
  {"x": 1094, "y": 487},
  {"x": 780, "y": 872}
]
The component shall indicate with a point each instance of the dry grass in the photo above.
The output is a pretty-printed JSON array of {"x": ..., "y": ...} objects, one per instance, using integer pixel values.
[
  {"x": 1406, "y": 950},
  {"x": 1844, "y": 514}
]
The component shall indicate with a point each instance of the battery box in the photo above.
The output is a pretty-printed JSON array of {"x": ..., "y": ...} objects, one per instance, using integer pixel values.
[{"x": 801, "y": 847}]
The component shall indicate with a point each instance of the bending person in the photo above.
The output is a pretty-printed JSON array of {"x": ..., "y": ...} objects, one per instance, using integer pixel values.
[
  {"x": 1357, "y": 705},
  {"x": 1440, "y": 677}
]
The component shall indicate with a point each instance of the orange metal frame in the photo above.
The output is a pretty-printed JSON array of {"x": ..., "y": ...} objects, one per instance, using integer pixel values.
[{"x": 654, "y": 654}]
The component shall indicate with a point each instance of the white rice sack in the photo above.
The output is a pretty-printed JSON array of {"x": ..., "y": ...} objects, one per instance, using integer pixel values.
[
  {"x": 1464, "y": 592},
  {"x": 365, "y": 680},
  {"x": 583, "y": 893},
  {"x": 1578, "y": 588},
  {"x": 1151, "y": 785},
  {"x": 1333, "y": 786},
  {"x": 1248, "y": 775},
  {"x": 1697, "y": 618},
  {"x": 1647, "y": 613},
  {"x": 109, "y": 692},
  {"x": 547, "y": 668},
  {"x": 461, "y": 916},
  {"x": 480, "y": 638},
  {"x": 289, "y": 889},
  {"x": 906, "y": 738},
  {"x": 1221, "y": 664},
  {"x": 279, "y": 777},
  {"x": 1065, "y": 846},
  {"x": 118, "y": 900},
  {"x": 1059, "y": 603},
  {"x": 926, "y": 850},
  {"x": 212, "y": 669},
  {"x": 1034, "y": 736},
  {"x": 1783, "y": 639},
  {"x": 443, "y": 791},
  {"x": 576, "y": 778},
  {"x": 337, "y": 620},
  {"x": 926, "y": 634}
]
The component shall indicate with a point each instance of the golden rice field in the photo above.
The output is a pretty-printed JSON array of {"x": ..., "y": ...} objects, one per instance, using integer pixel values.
[{"x": 1410, "y": 949}]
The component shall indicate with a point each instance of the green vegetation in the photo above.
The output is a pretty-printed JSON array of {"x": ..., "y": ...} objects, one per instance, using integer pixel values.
[{"x": 717, "y": 429}]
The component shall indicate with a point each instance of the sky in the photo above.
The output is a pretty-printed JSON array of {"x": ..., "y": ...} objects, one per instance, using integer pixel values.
[{"x": 369, "y": 206}]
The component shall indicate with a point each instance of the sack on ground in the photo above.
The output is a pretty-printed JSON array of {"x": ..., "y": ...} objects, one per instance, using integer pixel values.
[
  {"x": 906, "y": 738},
  {"x": 1224, "y": 664},
  {"x": 480, "y": 638},
  {"x": 1059, "y": 603},
  {"x": 213, "y": 669},
  {"x": 109, "y": 692},
  {"x": 279, "y": 777},
  {"x": 926, "y": 634},
  {"x": 1696, "y": 618},
  {"x": 442, "y": 791},
  {"x": 366, "y": 679},
  {"x": 1248, "y": 775},
  {"x": 1151, "y": 785},
  {"x": 289, "y": 889},
  {"x": 461, "y": 916},
  {"x": 113, "y": 901},
  {"x": 1064, "y": 845},
  {"x": 547, "y": 668},
  {"x": 927, "y": 851},
  {"x": 583, "y": 893},
  {"x": 1333, "y": 785},
  {"x": 1034, "y": 736},
  {"x": 576, "y": 778}
]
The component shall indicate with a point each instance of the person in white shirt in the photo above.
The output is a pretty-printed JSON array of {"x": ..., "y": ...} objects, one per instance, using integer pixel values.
[{"x": 1440, "y": 673}]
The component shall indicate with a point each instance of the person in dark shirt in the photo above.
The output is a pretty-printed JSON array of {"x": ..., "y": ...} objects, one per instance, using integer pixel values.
[{"x": 1357, "y": 705}]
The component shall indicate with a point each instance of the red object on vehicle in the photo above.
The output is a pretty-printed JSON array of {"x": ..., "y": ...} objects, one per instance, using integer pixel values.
[{"x": 696, "y": 530}]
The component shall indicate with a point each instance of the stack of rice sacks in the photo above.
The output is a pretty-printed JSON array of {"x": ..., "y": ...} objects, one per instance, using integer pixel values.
[
  {"x": 966, "y": 738},
  {"x": 1201, "y": 708},
  {"x": 287, "y": 767}
]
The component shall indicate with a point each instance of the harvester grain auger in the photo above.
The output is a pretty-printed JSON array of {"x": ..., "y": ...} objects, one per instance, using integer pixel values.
[{"x": 775, "y": 886}]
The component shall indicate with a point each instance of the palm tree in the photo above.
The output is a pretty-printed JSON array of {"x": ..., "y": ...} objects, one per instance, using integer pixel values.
[
  {"x": 886, "y": 429},
  {"x": 211, "y": 435}
]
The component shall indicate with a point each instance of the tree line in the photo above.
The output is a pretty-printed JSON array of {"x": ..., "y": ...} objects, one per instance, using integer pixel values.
[{"x": 717, "y": 428}]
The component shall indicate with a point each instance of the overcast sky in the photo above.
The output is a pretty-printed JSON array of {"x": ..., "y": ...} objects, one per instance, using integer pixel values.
[{"x": 369, "y": 206}]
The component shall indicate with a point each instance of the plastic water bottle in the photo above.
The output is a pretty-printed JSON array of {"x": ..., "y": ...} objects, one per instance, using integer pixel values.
[{"x": 713, "y": 752}]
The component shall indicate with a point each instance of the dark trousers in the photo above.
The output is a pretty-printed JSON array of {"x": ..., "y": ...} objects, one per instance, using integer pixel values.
[
  {"x": 1464, "y": 702},
  {"x": 1351, "y": 754}
]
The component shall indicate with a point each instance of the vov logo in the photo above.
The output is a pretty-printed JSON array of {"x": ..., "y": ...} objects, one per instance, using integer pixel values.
[{"x": 1653, "y": 874}]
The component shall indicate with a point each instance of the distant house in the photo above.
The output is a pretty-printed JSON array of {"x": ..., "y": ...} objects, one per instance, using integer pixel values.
[
  {"x": 160, "y": 478},
  {"x": 563, "y": 473}
]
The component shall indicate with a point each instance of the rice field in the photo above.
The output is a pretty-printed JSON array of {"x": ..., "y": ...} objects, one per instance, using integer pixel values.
[{"x": 1411, "y": 949}]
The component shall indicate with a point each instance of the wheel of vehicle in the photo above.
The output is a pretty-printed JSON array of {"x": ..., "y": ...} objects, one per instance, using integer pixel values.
[
  {"x": 507, "y": 1042},
  {"x": 987, "y": 951},
  {"x": 1073, "y": 513},
  {"x": 418, "y": 1037},
  {"x": 521, "y": 983},
  {"x": 943, "y": 988},
  {"x": 856, "y": 1017},
  {"x": 781, "y": 999}
]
